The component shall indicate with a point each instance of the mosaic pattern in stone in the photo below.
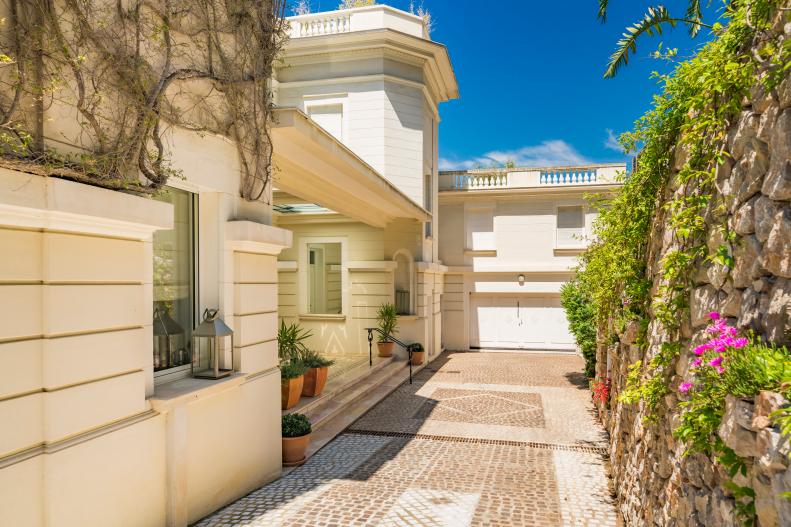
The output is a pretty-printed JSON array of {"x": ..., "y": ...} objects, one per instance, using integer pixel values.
[
  {"x": 459, "y": 471},
  {"x": 483, "y": 407}
]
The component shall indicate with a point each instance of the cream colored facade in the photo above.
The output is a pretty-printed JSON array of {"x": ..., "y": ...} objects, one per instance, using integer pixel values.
[
  {"x": 91, "y": 434},
  {"x": 509, "y": 239},
  {"x": 372, "y": 79}
]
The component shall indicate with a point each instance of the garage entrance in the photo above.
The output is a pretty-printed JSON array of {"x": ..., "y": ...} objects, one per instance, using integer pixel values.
[{"x": 519, "y": 322}]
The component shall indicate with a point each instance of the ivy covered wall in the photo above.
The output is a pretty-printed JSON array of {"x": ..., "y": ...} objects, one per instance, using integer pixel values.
[{"x": 689, "y": 283}]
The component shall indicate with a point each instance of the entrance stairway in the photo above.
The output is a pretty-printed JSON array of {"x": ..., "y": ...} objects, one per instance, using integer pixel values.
[{"x": 348, "y": 396}]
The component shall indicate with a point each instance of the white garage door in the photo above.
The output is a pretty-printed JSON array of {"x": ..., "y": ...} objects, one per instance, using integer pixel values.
[{"x": 518, "y": 322}]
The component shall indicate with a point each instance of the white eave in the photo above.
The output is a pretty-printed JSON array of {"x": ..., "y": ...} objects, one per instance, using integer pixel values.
[
  {"x": 433, "y": 55},
  {"x": 313, "y": 165}
]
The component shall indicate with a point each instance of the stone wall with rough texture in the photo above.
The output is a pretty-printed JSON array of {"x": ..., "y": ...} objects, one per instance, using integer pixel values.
[{"x": 655, "y": 482}]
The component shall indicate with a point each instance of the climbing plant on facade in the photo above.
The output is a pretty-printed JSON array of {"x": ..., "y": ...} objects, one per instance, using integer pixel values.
[{"x": 129, "y": 71}]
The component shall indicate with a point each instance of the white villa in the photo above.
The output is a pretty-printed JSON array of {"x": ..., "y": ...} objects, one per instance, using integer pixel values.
[{"x": 102, "y": 423}]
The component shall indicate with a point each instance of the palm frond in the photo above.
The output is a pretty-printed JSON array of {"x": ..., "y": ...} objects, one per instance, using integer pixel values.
[
  {"x": 650, "y": 24},
  {"x": 693, "y": 15},
  {"x": 603, "y": 10}
]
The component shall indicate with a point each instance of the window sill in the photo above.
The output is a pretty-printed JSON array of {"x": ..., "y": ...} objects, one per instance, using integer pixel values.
[
  {"x": 568, "y": 251},
  {"x": 408, "y": 318},
  {"x": 326, "y": 318},
  {"x": 173, "y": 393}
]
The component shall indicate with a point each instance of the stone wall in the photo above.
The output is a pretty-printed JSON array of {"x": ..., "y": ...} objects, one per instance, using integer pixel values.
[{"x": 655, "y": 482}]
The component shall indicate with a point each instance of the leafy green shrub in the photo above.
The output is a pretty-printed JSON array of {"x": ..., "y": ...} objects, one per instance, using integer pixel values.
[
  {"x": 292, "y": 369},
  {"x": 291, "y": 340},
  {"x": 295, "y": 425},
  {"x": 388, "y": 321},
  {"x": 313, "y": 359},
  {"x": 582, "y": 321}
]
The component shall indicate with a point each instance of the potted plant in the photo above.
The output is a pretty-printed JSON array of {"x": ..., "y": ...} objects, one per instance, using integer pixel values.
[
  {"x": 316, "y": 376},
  {"x": 388, "y": 324},
  {"x": 291, "y": 380},
  {"x": 296, "y": 431},
  {"x": 291, "y": 341},
  {"x": 418, "y": 353}
]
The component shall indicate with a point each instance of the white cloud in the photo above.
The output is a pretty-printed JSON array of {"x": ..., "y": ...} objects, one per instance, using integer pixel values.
[
  {"x": 612, "y": 141},
  {"x": 547, "y": 153}
]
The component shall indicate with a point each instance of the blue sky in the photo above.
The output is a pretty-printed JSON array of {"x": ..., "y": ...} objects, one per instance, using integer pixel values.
[{"x": 530, "y": 78}]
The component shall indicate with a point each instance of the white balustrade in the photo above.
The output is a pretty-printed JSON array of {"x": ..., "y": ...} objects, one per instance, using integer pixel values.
[
  {"x": 568, "y": 176},
  {"x": 604, "y": 174},
  {"x": 320, "y": 24}
]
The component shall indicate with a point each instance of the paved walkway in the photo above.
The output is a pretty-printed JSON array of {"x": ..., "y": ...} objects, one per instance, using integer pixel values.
[{"x": 480, "y": 439}]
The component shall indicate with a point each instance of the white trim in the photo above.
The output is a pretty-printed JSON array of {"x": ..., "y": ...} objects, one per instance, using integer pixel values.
[
  {"x": 302, "y": 272},
  {"x": 373, "y": 77},
  {"x": 372, "y": 266}
]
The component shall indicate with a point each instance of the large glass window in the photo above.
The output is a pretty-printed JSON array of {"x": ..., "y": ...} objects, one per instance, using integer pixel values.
[
  {"x": 324, "y": 278},
  {"x": 174, "y": 284}
]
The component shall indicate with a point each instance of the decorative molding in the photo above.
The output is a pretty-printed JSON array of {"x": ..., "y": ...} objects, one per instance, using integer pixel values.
[
  {"x": 37, "y": 202},
  {"x": 258, "y": 238},
  {"x": 329, "y": 317},
  {"x": 371, "y": 266}
]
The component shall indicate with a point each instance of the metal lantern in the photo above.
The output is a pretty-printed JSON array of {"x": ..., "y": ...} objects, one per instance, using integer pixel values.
[
  {"x": 206, "y": 358},
  {"x": 165, "y": 329}
]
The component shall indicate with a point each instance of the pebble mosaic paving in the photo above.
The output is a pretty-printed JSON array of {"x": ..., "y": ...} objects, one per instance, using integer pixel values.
[{"x": 386, "y": 470}]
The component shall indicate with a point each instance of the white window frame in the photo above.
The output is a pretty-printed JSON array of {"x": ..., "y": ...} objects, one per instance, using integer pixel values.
[
  {"x": 581, "y": 244},
  {"x": 334, "y": 99},
  {"x": 303, "y": 268},
  {"x": 183, "y": 371}
]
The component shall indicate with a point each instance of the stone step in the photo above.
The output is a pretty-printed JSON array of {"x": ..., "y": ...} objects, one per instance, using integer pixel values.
[
  {"x": 339, "y": 385},
  {"x": 332, "y": 416}
]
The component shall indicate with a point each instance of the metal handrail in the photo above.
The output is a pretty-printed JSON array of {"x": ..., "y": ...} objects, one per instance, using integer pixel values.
[{"x": 407, "y": 347}]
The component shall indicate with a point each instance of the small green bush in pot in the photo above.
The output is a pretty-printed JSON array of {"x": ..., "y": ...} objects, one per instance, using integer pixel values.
[
  {"x": 296, "y": 431},
  {"x": 317, "y": 372},
  {"x": 387, "y": 316}
]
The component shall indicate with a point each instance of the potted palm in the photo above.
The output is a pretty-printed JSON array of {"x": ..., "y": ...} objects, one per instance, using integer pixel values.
[
  {"x": 388, "y": 326},
  {"x": 291, "y": 381},
  {"x": 296, "y": 431},
  {"x": 316, "y": 375},
  {"x": 290, "y": 342},
  {"x": 418, "y": 353}
]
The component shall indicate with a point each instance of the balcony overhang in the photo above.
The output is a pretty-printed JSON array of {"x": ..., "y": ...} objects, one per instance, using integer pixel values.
[{"x": 312, "y": 165}]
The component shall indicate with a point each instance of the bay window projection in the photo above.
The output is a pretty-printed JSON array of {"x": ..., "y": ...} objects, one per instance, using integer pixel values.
[
  {"x": 570, "y": 226},
  {"x": 324, "y": 278},
  {"x": 174, "y": 285}
]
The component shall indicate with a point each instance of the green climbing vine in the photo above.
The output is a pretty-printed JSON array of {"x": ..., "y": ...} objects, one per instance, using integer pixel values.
[
  {"x": 674, "y": 202},
  {"x": 672, "y": 186}
]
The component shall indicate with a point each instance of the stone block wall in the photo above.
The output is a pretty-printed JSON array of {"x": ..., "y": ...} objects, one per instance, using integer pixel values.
[{"x": 656, "y": 483}]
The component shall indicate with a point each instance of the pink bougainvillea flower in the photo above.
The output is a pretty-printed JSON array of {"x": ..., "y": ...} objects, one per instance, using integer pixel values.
[
  {"x": 720, "y": 369},
  {"x": 697, "y": 362},
  {"x": 714, "y": 315},
  {"x": 684, "y": 387},
  {"x": 740, "y": 342},
  {"x": 716, "y": 361}
]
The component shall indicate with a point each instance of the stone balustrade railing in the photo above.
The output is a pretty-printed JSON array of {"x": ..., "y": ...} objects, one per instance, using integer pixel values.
[
  {"x": 357, "y": 19},
  {"x": 526, "y": 178},
  {"x": 321, "y": 24}
]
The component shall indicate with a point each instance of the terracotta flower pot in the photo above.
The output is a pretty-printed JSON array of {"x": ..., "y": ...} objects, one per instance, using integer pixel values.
[
  {"x": 290, "y": 390},
  {"x": 417, "y": 357},
  {"x": 385, "y": 348},
  {"x": 294, "y": 449},
  {"x": 315, "y": 379}
]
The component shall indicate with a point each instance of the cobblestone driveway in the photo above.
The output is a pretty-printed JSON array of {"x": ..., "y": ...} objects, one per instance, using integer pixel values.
[{"x": 479, "y": 439}]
